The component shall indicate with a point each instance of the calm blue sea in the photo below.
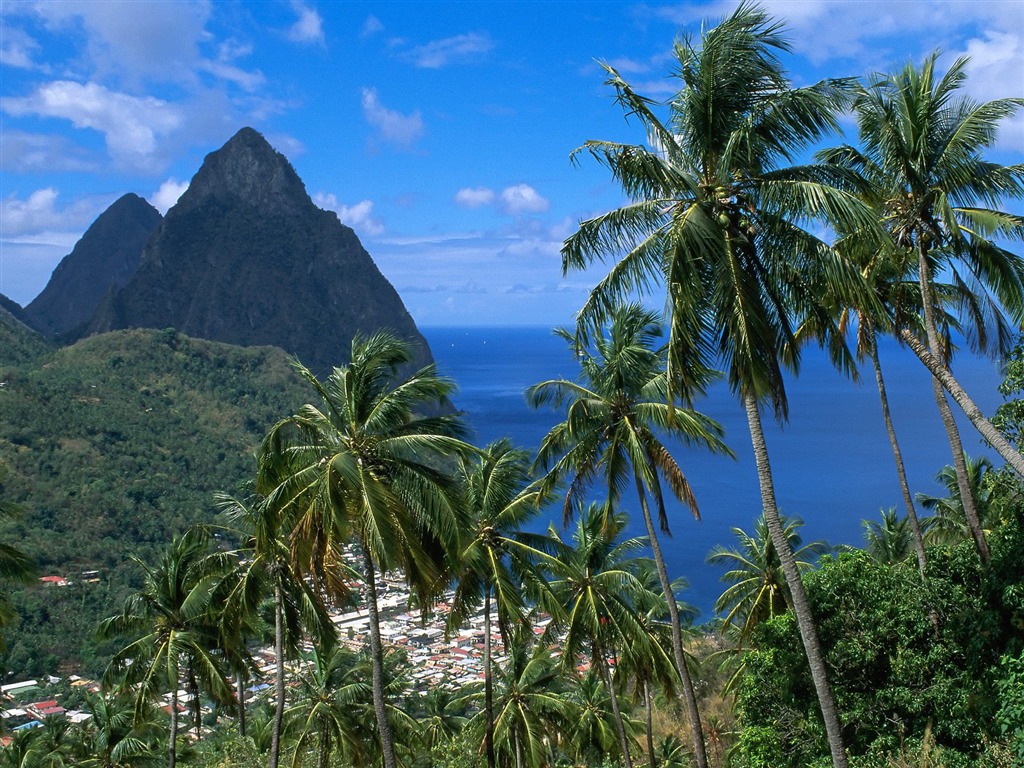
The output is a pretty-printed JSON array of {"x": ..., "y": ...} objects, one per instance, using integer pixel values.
[{"x": 832, "y": 463}]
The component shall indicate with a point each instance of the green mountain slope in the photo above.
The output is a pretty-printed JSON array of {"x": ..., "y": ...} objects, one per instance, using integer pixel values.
[{"x": 114, "y": 445}]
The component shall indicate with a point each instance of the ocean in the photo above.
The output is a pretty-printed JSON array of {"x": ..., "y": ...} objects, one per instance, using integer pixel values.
[{"x": 832, "y": 462}]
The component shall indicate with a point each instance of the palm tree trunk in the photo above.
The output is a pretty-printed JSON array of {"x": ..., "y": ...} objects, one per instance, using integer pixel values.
[
  {"x": 324, "y": 753},
  {"x": 488, "y": 683},
  {"x": 986, "y": 428},
  {"x": 519, "y": 751},
  {"x": 279, "y": 651},
  {"x": 648, "y": 711},
  {"x": 616, "y": 713},
  {"x": 172, "y": 745},
  {"x": 241, "y": 703},
  {"x": 801, "y": 607},
  {"x": 387, "y": 745},
  {"x": 967, "y": 499},
  {"x": 197, "y": 710},
  {"x": 688, "y": 695},
  {"x": 897, "y": 455},
  {"x": 963, "y": 483}
]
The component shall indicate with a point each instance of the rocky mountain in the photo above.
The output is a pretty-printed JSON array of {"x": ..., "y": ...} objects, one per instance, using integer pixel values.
[
  {"x": 103, "y": 260},
  {"x": 246, "y": 258}
]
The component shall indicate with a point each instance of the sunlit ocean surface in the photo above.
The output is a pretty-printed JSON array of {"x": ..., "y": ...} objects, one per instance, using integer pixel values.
[{"x": 832, "y": 462}]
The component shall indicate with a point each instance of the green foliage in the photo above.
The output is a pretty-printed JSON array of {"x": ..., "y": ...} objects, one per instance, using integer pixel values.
[
  {"x": 116, "y": 444},
  {"x": 1010, "y": 717},
  {"x": 908, "y": 663}
]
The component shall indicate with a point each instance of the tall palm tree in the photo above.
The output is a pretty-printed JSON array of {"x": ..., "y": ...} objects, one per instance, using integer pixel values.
[
  {"x": 493, "y": 557},
  {"x": 366, "y": 465},
  {"x": 174, "y": 629},
  {"x": 921, "y": 142},
  {"x": 595, "y": 579},
  {"x": 716, "y": 218},
  {"x": 757, "y": 588},
  {"x": 265, "y": 570},
  {"x": 617, "y": 412}
]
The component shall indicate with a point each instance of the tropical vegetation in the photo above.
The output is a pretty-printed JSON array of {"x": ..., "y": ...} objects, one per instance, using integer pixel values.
[{"x": 264, "y": 632}]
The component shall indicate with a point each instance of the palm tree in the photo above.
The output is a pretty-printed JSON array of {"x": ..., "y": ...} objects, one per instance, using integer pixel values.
[
  {"x": 616, "y": 412},
  {"x": 890, "y": 541},
  {"x": 330, "y": 688},
  {"x": 529, "y": 707},
  {"x": 265, "y": 569},
  {"x": 444, "y": 713},
  {"x": 948, "y": 524},
  {"x": 364, "y": 465},
  {"x": 716, "y": 217},
  {"x": 647, "y": 661},
  {"x": 501, "y": 501},
  {"x": 118, "y": 735},
  {"x": 596, "y": 583},
  {"x": 595, "y": 727},
  {"x": 175, "y": 631},
  {"x": 758, "y": 588},
  {"x": 921, "y": 144}
]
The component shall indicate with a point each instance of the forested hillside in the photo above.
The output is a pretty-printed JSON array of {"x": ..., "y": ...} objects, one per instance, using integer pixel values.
[{"x": 113, "y": 446}]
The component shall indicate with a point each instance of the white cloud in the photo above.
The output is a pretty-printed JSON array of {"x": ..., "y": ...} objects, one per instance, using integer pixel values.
[
  {"x": 450, "y": 50},
  {"x": 168, "y": 194},
  {"x": 995, "y": 72},
  {"x": 474, "y": 197},
  {"x": 358, "y": 216},
  {"x": 131, "y": 125},
  {"x": 522, "y": 198},
  {"x": 393, "y": 126},
  {"x": 371, "y": 27},
  {"x": 309, "y": 28}
]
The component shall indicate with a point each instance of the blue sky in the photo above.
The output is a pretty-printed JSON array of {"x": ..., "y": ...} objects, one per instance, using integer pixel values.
[{"x": 440, "y": 131}]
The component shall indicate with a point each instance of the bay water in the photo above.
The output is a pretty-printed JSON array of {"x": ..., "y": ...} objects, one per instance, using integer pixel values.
[{"x": 832, "y": 463}]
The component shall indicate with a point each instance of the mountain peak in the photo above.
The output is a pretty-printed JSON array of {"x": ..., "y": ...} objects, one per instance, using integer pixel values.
[
  {"x": 246, "y": 258},
  {"x": 247, "y": 168},
  {"x": 105, "y": 257}
]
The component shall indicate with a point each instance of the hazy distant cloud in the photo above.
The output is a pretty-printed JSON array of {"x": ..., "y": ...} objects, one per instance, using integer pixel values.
[
  {"x": 17, "y": 48},
  {"x": 625, "y": 66},
  {"x": 309, "y": 28},
  {"x": 371, "y": 27},
  {"x": 161, "y": 43},
  {"x": 168, "y": 194},
  {"x": 131, "y": 125},
  {"x": 358, "y": 216},
  {"x": 35, "y": 152},
  {"x": 522, "y": 198},
  {"x": 394, "y": 127},
  {"x": 38, "y": 219},
  {"x": 450, "y": 50},
  {"x": 225, "y": 68},
  {"x": 474, "y": 197}
]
